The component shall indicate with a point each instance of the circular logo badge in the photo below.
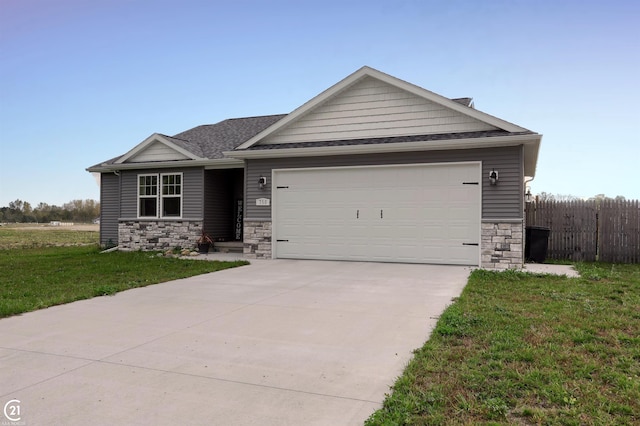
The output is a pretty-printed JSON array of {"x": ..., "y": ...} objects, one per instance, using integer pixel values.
[{"x": 12, "y": 410}]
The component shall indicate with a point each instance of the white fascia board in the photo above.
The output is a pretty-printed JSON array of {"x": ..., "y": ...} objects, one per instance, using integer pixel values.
[
  {"x": 224, "y": 163},
  {"x": 469, "y": 143},
  {"x": 156, "y": 137}
]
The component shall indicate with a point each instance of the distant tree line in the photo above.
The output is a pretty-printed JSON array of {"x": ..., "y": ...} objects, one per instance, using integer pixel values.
[
  {"x": 83, "y": 211},
  {"x": 545, "y": 196}
]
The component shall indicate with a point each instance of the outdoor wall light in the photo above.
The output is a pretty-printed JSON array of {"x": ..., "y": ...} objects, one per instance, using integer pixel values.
[
  {"x": 527, "y": 196},
  {"x": 493, "y": 177},
  {"x": 262, "y": 182}
]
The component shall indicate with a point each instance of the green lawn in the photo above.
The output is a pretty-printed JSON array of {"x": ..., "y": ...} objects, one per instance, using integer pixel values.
[
  {"x": 36, "y": 278},
  {"x": 12, "y": 237},
  {"x": 529, "y": 349}
]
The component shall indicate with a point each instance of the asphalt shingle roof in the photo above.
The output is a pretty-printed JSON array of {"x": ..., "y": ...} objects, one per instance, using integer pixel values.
[
  {"x": 211, "y": 140},
  {"x": 463, "y": 101},
  {"x": 389, "y": 140}
]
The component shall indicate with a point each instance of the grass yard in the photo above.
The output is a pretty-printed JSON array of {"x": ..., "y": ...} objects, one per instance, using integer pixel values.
[
  {"x": 42, "y": 268},
  {"x": 22, "y": 236},
  {"x": 529, "y": 349}
]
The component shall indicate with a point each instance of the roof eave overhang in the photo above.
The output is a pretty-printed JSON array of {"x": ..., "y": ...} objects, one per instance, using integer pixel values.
[
  {"x": 531, "y": 144},
  {"x": 222, "y": 163}
]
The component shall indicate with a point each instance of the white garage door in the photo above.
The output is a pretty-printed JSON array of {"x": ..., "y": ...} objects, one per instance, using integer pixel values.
[{"x": 410, "y": 213}]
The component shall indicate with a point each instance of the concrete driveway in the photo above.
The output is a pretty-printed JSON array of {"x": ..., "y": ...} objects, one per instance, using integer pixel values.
[{"x": 274, "y": 343}]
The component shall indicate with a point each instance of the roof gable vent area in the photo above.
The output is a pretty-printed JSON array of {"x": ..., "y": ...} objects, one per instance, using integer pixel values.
[{"x": 157, "y": 151}]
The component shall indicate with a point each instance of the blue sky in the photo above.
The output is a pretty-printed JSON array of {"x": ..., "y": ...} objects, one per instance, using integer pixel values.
[{"x": 84, "y": 81}]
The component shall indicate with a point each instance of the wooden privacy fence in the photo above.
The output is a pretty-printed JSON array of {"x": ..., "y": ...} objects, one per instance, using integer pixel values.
[{"x": 604, "y": 230}]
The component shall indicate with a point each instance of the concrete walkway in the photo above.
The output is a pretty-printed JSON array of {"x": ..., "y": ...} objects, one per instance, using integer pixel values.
[
  {"x": 544, "y": 268},
  {"x": 279, "y": 342}
]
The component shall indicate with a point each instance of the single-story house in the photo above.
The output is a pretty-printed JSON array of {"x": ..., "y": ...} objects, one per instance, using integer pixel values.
[{"x": 372, "y": 169}]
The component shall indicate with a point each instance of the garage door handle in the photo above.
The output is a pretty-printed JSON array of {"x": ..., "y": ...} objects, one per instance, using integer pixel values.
[
  {"x": 357, "y": 214},
  {"x": 282, "y": 241},
  {"x": 470, "y": 244},
  {"x": 470, "y": 183},
  {"x": 380, "y": 214}
]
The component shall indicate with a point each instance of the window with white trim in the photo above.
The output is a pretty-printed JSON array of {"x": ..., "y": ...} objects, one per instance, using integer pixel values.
[
  {"x": 171, "y": 197},
  {"x": 147, "y": 195},
  {"x": 160, "y": 195}
]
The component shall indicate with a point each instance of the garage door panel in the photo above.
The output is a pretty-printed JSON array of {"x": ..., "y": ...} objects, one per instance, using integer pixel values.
[
  {"x": 356, "y": 232},
  {"x": 405, "y": 233},
  {"x": 459, "y": 255},
  {"x": 379, "y": 248},
  {"x": 459, "y": 234},
  {"x": 405, "y": 252},
  {"x": 433, "y": 254},
  {"x": 434, "y": 232},
  {"x": 458, "y": 193},
  {"x": 458, "y": 213},
  {"x": 427, "y": 213},
  {"x": 407, "y": 215}
]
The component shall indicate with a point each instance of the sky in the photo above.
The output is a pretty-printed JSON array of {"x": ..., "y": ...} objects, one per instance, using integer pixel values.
[{"x": 83, "y": 81}]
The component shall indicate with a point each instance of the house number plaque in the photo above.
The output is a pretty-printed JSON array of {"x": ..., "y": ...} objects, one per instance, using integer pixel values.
[{"x": 263, "y": 202}]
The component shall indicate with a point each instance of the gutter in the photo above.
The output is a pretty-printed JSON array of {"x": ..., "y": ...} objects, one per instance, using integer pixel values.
[
  {"x": 496, "y": 141},
  {"x": 221, "y": 163}
]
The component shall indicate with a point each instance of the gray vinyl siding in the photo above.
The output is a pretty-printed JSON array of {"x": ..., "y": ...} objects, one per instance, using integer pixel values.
[
  {"x": 506, "y": 199},
  {"x": 503, "y": 201},
  {"x": 192, "y": 191},
  {"x": 109, "y": 208},
  {"x": 222, "y": 188}
]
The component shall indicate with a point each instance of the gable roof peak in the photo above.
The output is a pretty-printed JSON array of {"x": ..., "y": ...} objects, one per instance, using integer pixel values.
[
  {"x": 172, "y": 143},
  {"x": 367, "y": 71}
]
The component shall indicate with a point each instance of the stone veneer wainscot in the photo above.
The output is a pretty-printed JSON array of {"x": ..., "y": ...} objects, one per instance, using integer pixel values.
[
  {"x": 257, "y": 239},
  {"x": 158, "y": 234},
  {"x": 502, "y": 245}
]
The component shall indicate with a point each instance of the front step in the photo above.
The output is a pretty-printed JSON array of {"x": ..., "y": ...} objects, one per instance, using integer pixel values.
[{"x": 228, "y": 247}]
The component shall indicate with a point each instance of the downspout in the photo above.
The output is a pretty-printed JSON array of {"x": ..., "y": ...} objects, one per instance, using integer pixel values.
[
  {"x": 525, "y": 185},
  {"x": 117, "y": 247}
]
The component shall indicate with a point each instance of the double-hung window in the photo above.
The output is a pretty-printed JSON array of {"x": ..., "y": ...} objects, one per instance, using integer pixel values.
[
  {"x": 160, "y": 195},
  {"x": 171, "y": 196},
  {"x": 148, "y": 195}
]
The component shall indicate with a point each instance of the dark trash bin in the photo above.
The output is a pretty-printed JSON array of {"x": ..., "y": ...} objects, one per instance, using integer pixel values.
[{"x": 537, "y": 240}]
